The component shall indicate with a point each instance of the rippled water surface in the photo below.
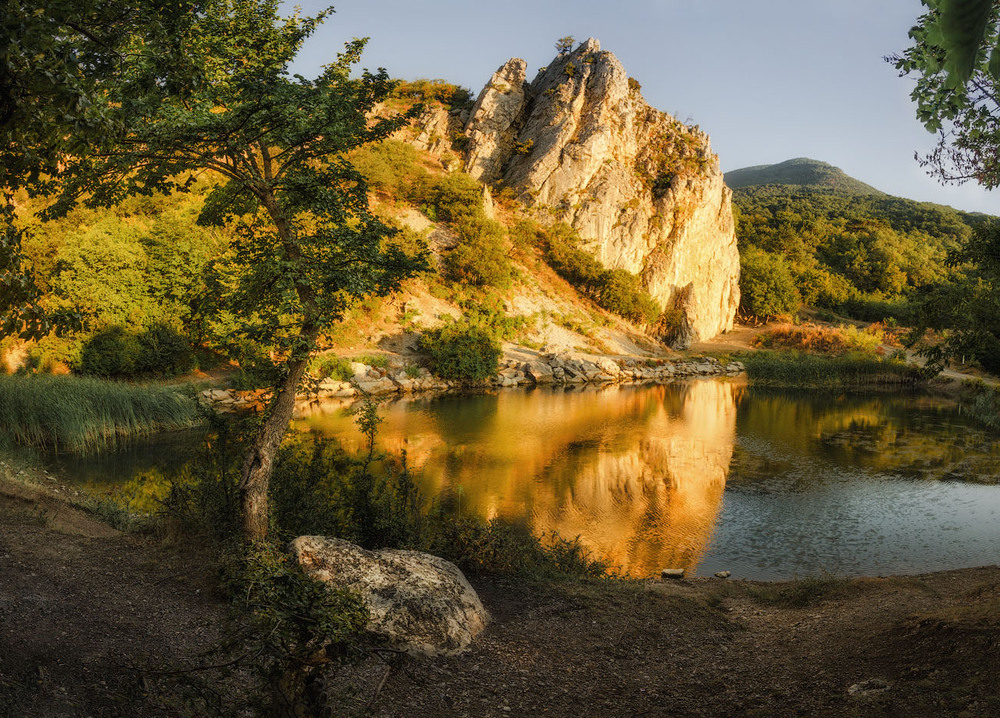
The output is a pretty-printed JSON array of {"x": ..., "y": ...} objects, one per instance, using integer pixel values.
[{"x": 705, "y": 475}]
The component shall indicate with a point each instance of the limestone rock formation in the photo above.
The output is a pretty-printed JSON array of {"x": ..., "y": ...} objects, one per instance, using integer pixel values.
[
  {"x": 644, "y": 191},
  {"x": 417, "y": 602}
]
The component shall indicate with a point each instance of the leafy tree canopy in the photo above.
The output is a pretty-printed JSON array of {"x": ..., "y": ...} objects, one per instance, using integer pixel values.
[
  {"x": 57, "y": 59},
  {"x": 305, "y": 243},
  {"x": 955, "y": 60}
]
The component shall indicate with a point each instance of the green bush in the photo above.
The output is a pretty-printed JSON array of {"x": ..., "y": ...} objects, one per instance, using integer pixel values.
[
  {"x": 163, "y": 352},
  {"x": 504, "y": 548},
  {"x": 117, "y": 353},
  {"x": 616, "y": 290},
  {"x": 462, "y": 351},
  {"x": 455, "y": 197},
  {"x": 489, "y": 313},
  {"x": 330, "y": 366},
  {"x": 111, "y": 352},
  {"x": 481, "y": 258},
  {"x": 766, "y": 284},
  {"x": 391, "y": 167},
  {"x": 293, "y": 625},
  {"x": 622, "y": 293}
]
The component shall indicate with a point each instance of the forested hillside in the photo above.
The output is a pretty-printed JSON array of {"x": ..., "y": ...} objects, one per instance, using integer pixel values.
[{"x": 866, "y": 255}]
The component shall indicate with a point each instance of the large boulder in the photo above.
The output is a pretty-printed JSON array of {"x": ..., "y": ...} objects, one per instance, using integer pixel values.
[{"x": 418, "y": 603}]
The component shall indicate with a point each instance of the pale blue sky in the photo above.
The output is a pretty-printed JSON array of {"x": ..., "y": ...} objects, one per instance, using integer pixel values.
[{"x": 769, "y": 80}]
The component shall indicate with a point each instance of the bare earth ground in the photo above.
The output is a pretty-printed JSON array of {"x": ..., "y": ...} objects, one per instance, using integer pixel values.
[{"x": 81, "y": 606}]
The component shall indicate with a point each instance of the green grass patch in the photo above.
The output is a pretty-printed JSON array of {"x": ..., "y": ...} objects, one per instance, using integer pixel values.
[
  {"x": 793, "y": 369},
  {"x": 76, "y": 414}
]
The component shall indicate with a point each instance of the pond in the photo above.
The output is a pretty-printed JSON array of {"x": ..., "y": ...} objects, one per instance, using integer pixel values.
[{"x": 704, "y": 475}]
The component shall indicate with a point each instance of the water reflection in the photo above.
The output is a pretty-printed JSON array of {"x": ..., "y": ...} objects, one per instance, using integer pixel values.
[
  {"x": 637, "y": 473},
  {"x": 704, "y": 475}
]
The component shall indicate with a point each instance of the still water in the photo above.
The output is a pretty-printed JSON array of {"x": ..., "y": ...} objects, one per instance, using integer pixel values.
[{"x": 706, "y": 475}]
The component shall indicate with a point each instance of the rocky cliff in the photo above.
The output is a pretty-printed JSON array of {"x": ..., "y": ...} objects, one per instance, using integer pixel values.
[{"x": 643, "y": 190}]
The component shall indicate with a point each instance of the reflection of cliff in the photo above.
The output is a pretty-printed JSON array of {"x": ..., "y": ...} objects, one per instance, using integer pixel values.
[
  {"x": 652, "y": 504},
  {"x": 637, "y": 473}
]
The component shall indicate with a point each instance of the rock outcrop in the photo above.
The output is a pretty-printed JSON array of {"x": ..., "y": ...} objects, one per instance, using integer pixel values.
[
  {"x": 416, "y": 602},
  {"x": 643, "y": 190}
]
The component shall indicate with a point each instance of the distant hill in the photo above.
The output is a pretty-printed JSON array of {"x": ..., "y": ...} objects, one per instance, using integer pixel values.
[
  {"x": 839, "y": 244},
  {"x": 801, "y": 172}
]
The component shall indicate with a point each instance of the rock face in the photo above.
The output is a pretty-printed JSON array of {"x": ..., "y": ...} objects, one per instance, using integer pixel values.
[
  {"x": 643, "y": 190},
  {"x": 418, "y": 603}
]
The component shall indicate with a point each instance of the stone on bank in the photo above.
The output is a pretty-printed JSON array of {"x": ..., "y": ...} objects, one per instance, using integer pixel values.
[{"x": 417, "y": 602}]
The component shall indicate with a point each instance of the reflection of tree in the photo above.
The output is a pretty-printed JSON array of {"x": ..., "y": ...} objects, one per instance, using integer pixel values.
[{"x": 884, "y": 434}]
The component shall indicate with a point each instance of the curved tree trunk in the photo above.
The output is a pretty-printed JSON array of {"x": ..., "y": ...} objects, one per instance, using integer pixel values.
[{"x": 259, "y": 462}]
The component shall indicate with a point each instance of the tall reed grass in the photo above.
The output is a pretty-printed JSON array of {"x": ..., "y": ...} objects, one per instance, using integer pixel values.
[
  {"x": 792, "y": 369},
  {"x": 77, "y": 414}
]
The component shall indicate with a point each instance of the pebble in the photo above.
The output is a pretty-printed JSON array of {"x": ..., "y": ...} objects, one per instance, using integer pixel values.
[
  {"x": 673, "y": 573},
  {"x": 723, "y": 574},
  {"x": 870, "y": 687}
]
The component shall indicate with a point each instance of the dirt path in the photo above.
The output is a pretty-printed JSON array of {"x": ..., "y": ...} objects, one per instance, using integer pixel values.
[
  {"x": 81, "y": 605},
  {"x": 920, "y": 646}
]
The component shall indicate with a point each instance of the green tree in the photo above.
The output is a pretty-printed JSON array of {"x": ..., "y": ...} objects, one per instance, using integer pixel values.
[
  {"x": 766, "y": 284},
  {"x": 305, "y": 242},
  {"x": 955, "y": 60},
  {"x": 57, "y": 58},
  {"x": 564, "y": 45}
]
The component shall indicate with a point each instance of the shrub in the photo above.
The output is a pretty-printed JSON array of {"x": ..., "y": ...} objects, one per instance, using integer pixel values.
[
  {"x": 481, "y": 258},
  {"x": 454, "y": 97},
  {"x": 391, "y": 167},
  {"x": 825, "y": 340},
  {"x": 462, "y": 351},
  {"x": 766, "y": 284},
  {"x": 488, "y": 313},
  {"x": 111, "y": 352},
  {"x": 455, "y": 197},
  {"x": 505, "y": 548},
  {"x": 163, "y": 352},
  {"x": 293, "y": 625},
  {"x": 616, "y": 290},
  {"x": 621, "y": 293},
  {"x": 332, "y": 367},
  {"x": 117, "y": 353}
]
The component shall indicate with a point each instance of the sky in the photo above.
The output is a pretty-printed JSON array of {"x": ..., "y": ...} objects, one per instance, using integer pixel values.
[{"x": 769, "y": 80}]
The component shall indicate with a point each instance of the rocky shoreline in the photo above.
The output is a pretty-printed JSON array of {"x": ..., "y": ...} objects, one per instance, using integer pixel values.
[{"x": 516, "y": 370}]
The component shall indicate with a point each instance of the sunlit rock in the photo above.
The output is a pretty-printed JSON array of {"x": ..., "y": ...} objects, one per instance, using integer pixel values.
[
  {"x": 644, "y": 190},
  {"x": 417, "y": 602}
]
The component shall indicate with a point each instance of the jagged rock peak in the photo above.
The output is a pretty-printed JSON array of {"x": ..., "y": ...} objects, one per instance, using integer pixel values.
[
  {"x": 643, "y": 190},
  {"x": 492, "y": 122}
]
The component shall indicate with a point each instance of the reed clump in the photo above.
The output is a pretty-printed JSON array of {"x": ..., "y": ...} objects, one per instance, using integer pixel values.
[
  {"x": 81, "y": 413},
  {"x": 795, "y": 369}
]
